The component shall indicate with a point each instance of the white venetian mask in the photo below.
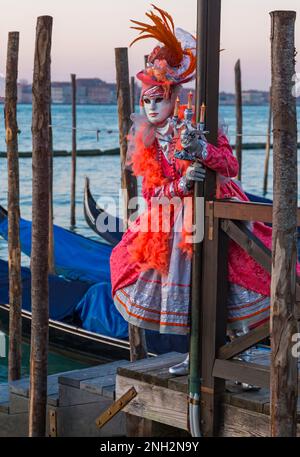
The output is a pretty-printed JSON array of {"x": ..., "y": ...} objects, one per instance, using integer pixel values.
[{"x": 157, "y": 108}]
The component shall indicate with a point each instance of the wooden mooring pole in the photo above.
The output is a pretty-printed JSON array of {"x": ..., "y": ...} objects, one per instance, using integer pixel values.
[
  {"x": 268, "y": 146},
  {"x": 14, "y": 256},
  {"x": 41, "y": 94},
  {"x": 51, "y": 260},
  {"x": 73, "y": 173},
  {"x": 212, "y": 299},
  {"x": 239, "y": 115},
  {"x": 132, "y": 94},
  {"x": 137, "y": 339},
  {"x": 284, "y": 375},
  {"x": 138, "y": 349}
]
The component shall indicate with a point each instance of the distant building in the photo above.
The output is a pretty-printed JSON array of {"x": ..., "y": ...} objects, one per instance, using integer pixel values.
[
  {"x": 89, "y": 91},
  {"x": 94, "y": 91},
  {"x": 24, "y": 92},
  {"x": 226, "y": 98},
  {"x": 255, "y": 97},
  {"x": 61, "y": 92}
]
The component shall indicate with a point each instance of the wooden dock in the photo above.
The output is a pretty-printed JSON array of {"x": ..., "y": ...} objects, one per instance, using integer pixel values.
[
  {"x": 162, "y": 397},
  {"x": 74, "y": 400}
]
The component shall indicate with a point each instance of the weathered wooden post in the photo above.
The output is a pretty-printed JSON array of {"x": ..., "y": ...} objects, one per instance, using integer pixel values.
[
  {"x": 15, "y": 281},
  {"x": 132, "y": 94},
  {"x": 268, "y": 146},
  {"x": 239, "y": 115},
  {"x": 138, "y": 348},
  {"x": 40, "y": 230},
  {"x": 51, "y": 260},
  {"x": 212, "y": 299},
  {"x": 73, "y": 173},
  {"x": 284, "y": 375},
  {"x": 137, "y": 339}
]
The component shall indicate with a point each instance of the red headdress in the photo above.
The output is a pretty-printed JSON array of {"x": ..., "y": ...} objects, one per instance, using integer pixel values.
[{"x": 173, "y": 60}]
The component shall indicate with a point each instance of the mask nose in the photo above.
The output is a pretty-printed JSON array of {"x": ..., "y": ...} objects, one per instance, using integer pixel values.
[{"x": 152, "y": 105}]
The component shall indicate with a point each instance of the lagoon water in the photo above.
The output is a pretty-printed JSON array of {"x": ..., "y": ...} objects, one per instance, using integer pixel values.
[{"x": 104, "y": 171}]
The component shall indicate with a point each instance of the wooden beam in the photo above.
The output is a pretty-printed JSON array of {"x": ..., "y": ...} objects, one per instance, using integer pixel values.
[
  {"x": 154, "y": 403},
  {"x": 249, "y": 242},
  {"x": 237, "y": 420},
  {"x": 236, "y": 370},
  {"x": 244, "y": 342},
  {"x": 256, "y": 249},
  {"x": 284, "y": 374},
  {"x": 246, "y": 211},
  {"x": 250, "y": 373},
  {"x": 213, "y": 299}
]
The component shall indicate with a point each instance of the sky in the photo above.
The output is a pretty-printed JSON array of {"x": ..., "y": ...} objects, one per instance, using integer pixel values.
[{"x": 85, "y": 33}]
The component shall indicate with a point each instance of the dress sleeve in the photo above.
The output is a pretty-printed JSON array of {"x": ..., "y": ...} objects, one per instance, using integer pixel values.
[
  {"x": 221, "y": 159},
  {"x": 176, "y": 188}
]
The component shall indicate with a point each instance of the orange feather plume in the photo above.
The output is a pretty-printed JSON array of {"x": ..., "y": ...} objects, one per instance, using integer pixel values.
[{"x": 163, "y": 31}]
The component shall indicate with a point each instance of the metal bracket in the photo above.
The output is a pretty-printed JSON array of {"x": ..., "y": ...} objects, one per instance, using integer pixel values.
[
  {"x": 116, "y": 407},
  {"x": 52, "y": 423}
]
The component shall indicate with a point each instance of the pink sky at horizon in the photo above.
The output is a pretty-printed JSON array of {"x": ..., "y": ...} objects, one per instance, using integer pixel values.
[{"x": 85, "y": 34}]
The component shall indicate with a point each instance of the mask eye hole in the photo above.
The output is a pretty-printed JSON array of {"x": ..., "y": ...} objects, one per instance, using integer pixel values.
[
  {"x": 158, "y": 99},
  {"x": 147, "y": 100}
]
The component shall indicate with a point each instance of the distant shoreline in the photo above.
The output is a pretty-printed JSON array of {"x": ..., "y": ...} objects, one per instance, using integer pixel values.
[
  {"x": 116, "y": 151},
  {"x": 115, "y": 104}
]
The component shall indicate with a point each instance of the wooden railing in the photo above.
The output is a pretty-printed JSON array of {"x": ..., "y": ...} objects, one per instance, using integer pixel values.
[{"x": 223, "y": 223}]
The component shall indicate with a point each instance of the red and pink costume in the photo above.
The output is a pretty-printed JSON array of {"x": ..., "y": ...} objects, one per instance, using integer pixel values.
[
  {"x": 151, "y": 269},
  {"x": 152, "y": 298}
]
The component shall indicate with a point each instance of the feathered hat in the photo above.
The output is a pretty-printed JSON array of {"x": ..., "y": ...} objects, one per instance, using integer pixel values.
[{"x": 173, "y": 60}]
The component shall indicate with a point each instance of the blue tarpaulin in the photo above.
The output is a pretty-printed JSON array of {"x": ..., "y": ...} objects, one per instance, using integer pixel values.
[
  {"x": 76, "y": 257},
  {"x": 83, "y": 289},
  {"x": 64, "y": 295},
  {"x": 99, "y": 314}
]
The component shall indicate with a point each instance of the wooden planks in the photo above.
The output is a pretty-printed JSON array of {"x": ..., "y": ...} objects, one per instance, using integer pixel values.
[
  {"x": 74, "y": 378},
  {"x": 246, "y": 211},
  {"x": 154, "y": 403},
  {"x": 244, "y": 342},
  {"x": 251, "y": 373},
  {"x": 243, "y": 414},
  {"x": 244, "y": 423}
]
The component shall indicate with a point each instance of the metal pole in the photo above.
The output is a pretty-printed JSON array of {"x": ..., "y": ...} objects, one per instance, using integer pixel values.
[
  {"x": 284, "y": 373},
  {"x": 15, "y": 280}
]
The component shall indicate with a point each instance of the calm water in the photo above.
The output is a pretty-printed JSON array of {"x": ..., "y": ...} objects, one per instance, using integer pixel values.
[
  {"x": 56, "y": 363},
  {"x": 104, "y": 172}
]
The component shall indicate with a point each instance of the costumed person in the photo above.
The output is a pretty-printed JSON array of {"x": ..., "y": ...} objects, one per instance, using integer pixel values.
[{"x": 151, "y": 269}]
